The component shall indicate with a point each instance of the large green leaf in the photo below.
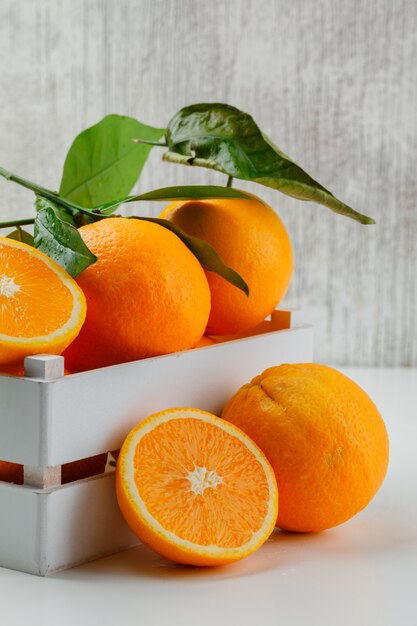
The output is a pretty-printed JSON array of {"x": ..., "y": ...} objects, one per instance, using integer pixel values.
[
  {"x": 61, "y": 241},
  {"x": 204, "y": 252},
  {"x": 103, "y": 161},
  {"x": 57, "y": 236},
  {"x": 221, "y": 137}
]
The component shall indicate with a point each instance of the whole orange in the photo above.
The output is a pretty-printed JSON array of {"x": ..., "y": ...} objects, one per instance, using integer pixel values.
[
  {"x": 146, "y": 295},
  {"x": 250, "y": 238},
  {"x": 323, "y": 436}
]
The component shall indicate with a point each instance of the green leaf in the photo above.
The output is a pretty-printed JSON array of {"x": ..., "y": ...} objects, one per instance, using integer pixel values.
[
  {"x": 192, "y": 192},
  {"x": 61, "y": 241},
  {"x": 103, "y": 161},
  {"x": 185, "y": 192},
  {"x": 221, "y": 137},
  {"x": 204, "y": 252},
  {"x": 72, "y": 214},
  {"x": 44, "y": 203},
  {"x": 21, "y": 235}
]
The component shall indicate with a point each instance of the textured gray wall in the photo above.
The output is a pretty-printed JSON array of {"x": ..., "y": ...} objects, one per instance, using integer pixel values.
[{"x": 333, "y": 82}]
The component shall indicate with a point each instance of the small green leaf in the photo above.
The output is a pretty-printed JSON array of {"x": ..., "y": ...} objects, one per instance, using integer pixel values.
[
  {"x": 21, "y": 235},
  {"x": 103, "y": 161},
  {"x": 221, "y": 137},
  {"x": 72, "y": 214},
  {"x": 44, "y": 203},
  {"x": 204, "y": 252},
  {"x": 61, "y": 241}
]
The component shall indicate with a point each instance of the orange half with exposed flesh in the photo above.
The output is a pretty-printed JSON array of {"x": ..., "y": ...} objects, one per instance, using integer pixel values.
[
  {"x": 42, "y": 308},
  {"x": 195, "y": 488}
]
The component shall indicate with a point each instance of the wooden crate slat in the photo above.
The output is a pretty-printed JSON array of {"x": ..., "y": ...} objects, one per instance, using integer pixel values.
[
  {"x": 45, "y": 423},
  {"x": 92, "y": 412}
]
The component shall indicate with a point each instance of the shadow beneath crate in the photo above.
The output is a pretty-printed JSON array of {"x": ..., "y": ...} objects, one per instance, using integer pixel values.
[{"x": 142, "y": 562}]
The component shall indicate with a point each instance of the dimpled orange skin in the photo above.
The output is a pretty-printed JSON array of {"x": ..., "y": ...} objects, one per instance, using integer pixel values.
[
  {"x": 250, "y": 238},
  {"x": 323, "y": 436},
  {"x": 146, "y": 295}
]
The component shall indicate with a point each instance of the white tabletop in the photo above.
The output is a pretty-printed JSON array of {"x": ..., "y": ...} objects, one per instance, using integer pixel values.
[{"x": 363, "y": 573}]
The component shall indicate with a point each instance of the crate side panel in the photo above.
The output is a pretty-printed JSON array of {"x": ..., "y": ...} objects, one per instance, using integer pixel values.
[
  {"x": 20, "y": 529},
  {"x": 84, "y": 523},
  {"x": 22, "y": 416},
  {"x": 93, "y": 411}
]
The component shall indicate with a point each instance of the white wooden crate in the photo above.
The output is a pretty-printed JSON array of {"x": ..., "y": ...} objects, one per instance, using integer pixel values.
[{"x": 47, "y": 423}]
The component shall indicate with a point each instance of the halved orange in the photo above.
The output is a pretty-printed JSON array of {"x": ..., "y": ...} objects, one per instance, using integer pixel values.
[
  {"x": 195, "y": 488},
  {"x": 42, "y": 308}
]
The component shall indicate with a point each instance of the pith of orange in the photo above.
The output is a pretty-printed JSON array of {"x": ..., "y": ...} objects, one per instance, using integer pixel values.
[
  {"x": 195, "y": 488},
  {"x": 42, "y": 308},
  {"x": 250, "y": 238},
  {"x": 323, "y": 436},
  {"x": 147, "y": 295}
]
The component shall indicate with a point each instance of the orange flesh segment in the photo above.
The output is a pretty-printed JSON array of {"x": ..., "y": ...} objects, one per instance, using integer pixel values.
[
  {"x": 201, "y": 483},
  {"x": 25, "y": 284}
]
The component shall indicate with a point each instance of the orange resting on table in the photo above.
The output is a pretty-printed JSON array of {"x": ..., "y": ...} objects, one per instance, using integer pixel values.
[
  {"x": 42, "y": 307},
  {"x": 195, "y": 488},
  {"x": 323, "y": 436}
]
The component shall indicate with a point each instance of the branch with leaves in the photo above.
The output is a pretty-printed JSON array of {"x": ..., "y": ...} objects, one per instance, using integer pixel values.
[
  {"x": 57, "y": 220},
  {"x": 106, "y": 160}
]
